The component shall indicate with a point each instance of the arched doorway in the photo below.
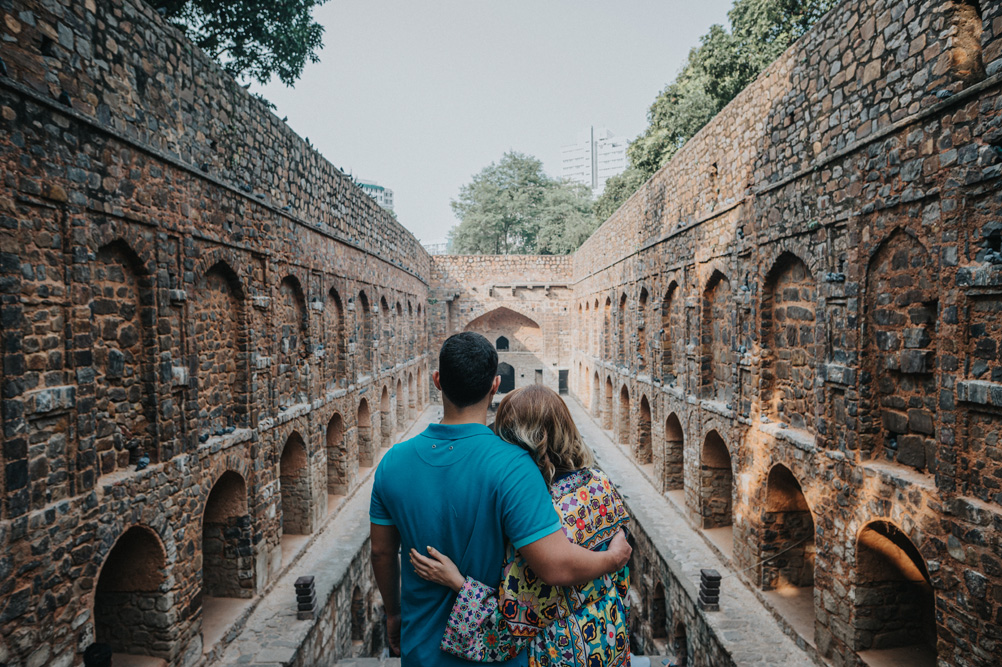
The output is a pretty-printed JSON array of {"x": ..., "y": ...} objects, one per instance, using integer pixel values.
[
  {"x": 338, "y": 474},
  {"x": 623, "y": 427},
  {"x": 788, "y": 530},
  {"x": 659, "y": 618},
  {"x": 644, "y": 451},
  {"x": 895, "y": 605},
  {"x": 366, "y": 449},
  {"x": 501, "y": 344},
  {"x": 596, "y": 393},
  {"x": 227, "y": 540},
  {"x": 295, "y": 487},
  {"x": 674, "y": 477},
  {"x": 132, "y": 583},
  {"x": 680, "y": 645},
  {"x": 716, "y": 482},
  {"x": 385, "y": 419},
  {"x": 607, "y": 406},
  {"x": 507, "y": 373},
  {"x": 401, "y": 406},
  {"x": 411, "y": 397}
]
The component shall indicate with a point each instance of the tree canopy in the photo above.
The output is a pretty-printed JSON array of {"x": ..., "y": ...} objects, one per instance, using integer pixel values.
[
  {"x": 723, "y": 64},
  {"x": 513, "y": 207},
  {"x": 251, "y": 38}
]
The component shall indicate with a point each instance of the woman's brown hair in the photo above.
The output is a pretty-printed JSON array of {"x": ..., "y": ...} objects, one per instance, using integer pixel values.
[{"x": 536, "y": 419}]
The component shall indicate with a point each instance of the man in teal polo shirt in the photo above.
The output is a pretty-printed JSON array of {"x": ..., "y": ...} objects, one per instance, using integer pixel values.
[{"x": 463, "y": 490}]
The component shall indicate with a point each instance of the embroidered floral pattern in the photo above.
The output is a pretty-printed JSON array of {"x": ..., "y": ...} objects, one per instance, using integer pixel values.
[{"x": 582, "y": 626}]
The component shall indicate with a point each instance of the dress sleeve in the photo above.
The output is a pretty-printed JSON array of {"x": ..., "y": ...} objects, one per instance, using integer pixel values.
[{"x": 476, "y": 629}]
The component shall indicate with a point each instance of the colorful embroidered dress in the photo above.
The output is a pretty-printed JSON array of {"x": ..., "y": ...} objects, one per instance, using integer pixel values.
[{"x": 571, "y": 626}]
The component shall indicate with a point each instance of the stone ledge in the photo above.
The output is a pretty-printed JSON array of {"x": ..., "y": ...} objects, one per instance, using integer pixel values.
[
  {"x": 980, "y": 392},
  {"x": 50, "y": 399}
]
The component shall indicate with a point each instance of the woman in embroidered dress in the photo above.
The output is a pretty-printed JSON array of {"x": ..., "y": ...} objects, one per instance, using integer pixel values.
[{"x": 574, "y": 626}]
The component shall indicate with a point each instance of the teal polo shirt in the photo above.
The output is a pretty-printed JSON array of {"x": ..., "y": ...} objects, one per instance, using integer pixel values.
[{"x": 462, "y": 490}]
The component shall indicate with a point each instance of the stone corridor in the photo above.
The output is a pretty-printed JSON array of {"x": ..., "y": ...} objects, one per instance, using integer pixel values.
[{"x": 786, "y": 342}]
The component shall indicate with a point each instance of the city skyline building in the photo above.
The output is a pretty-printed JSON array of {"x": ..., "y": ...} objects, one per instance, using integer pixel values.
[
  {"x": 383, "y": 195},
  {"x": 594, "y": 158}
]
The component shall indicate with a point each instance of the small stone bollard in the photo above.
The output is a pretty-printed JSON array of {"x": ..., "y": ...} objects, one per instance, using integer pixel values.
[
  {"x": 709, "y": 590},
  {"x": 306, "y": 598}
]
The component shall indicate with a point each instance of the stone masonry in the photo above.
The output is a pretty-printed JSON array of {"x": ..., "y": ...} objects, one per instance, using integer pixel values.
[
  {"x": 185, "y": 280},
  {"x": 793, "y": 328}
]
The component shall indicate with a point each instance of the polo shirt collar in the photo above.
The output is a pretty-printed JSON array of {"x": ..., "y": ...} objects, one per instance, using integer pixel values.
[{"x": 456, "y": 431}]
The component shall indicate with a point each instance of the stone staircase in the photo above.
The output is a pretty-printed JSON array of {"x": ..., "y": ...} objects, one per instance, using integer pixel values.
[{"x": 656, "y": 661}]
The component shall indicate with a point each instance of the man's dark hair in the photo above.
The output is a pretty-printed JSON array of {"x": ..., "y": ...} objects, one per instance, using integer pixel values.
[
  {"x": 97, "y": 655},
  {"x": 467, "y": 365}
]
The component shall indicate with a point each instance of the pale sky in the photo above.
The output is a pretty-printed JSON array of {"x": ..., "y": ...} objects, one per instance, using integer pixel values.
[{"x": 419, "y": 96}]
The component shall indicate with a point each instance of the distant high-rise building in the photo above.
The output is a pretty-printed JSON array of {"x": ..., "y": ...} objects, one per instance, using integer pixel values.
[
  {"x": 594, "y": 158},
  {"x": 382, "y": 195}
]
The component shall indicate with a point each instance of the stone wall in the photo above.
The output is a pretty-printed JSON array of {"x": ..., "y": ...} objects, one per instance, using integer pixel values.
[
  {"x": 813, "y": 280},
  {"x": 524, "y": 298},
  {"x": 181, "y": 279}
]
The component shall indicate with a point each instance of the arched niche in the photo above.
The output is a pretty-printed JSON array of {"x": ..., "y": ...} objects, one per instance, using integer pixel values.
[
  {"x": 338, "y": 475},
  {"x": 644, "y": 450},
  {"x": 790, "y": 340},
  {"x": 294, "y": 474},
  {"x": 715, "y": 483},
  {"x": 717, "y": 333},
  {"x": 385, "y": 418},
  {"x": 217, "y": 317},
  {"x": 366, "y": 447},
  {"x": 786, "y": 546},
  {"x": 894, "y": 602},
  {"x": 507, "y": 373},
  {"x": 674, "y": 474},
  {"x": 607, "y": 405},
  {"x": 227, "y": 540},
  {"x": 521, "y": 333},
  {"x": 335, "y": 348},
  {"x": 122, "y": 312},
  {"x": 133, "y": 582},
  {"x": 901, "y": 306},
  {"x": 364, "y": 334},
  {"x": 623, "y": 422}
]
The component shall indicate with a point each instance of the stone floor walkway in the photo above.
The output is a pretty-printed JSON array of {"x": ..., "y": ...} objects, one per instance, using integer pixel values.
[
  {"x": 744, "y": 627},
  {"x": 271, "y": 633}
]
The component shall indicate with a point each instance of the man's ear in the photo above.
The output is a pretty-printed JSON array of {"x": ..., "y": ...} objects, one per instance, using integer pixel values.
[
  {"x": 435, "y": 380},
  {"x": 496, "y": 385}
]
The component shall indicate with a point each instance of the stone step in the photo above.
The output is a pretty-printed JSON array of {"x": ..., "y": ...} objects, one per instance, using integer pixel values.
[{"x": 656, "y": 661}]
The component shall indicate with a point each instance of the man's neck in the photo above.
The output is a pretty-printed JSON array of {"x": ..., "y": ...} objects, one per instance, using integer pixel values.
[{"x": 471, "y": 414}]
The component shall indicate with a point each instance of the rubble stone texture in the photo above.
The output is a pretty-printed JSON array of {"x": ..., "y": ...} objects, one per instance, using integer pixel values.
[{"x": 793, "y": 328}]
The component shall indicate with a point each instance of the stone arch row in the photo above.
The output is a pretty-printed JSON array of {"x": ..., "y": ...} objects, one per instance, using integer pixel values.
[
  {"x": 696, "y": 339},
  {"x": 227, "y": 349},
  {"x": 894, "y": 603},
  {"x": 136, "y": 577}
]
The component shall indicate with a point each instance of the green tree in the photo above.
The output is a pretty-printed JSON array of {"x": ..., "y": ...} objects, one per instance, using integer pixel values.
[
  {"x": 714, "y": 73},
  {"x": 251, "y": 38},
  {"x": 513, "y": 207}
]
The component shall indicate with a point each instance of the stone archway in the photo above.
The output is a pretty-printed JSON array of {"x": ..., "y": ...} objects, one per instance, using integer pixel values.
[
  {"x": 411, "y": 397},
  {"x": 227, "y": 540},
  {"x": 674, "y": 473},
  {"x": 895, "y": 604},
  {"x": 366, "y": 447},
  {"x": 385, "y": 418},
  {"x": 338, "y": 475},
  {"x": 132, "y": 584},
  {"x": 715, "y": 483},
  {"x": 624, "y": 430},
  {"x": 643, "y": 451},
  {"x": 294, "y": 475},
  {"x": 607, "y": 406},
  {"x": 401, "y": 406},
  {"x": 786, "y": 546},
  {"x": 507, "y": 373}
]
